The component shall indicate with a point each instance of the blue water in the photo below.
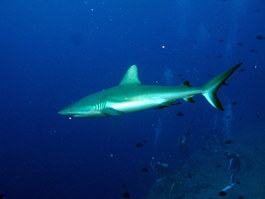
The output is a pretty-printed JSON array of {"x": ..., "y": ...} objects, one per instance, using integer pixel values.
[{"x": 53, "y": 53}]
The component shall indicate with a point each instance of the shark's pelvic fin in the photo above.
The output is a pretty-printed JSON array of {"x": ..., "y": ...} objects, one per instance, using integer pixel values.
[
  {"x": 131, "y": 77},
  {"x": 210, "y": 89}
]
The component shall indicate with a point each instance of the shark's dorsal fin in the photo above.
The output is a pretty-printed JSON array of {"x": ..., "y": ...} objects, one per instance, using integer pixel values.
[{"x": 131, "y": 77}]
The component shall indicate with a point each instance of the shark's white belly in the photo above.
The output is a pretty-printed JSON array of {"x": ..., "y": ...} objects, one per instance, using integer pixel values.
[{"x": 127, "y": 105}]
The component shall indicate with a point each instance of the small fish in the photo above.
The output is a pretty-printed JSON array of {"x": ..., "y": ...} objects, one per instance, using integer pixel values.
[
  {"x": 240, "y": 197},
  {"x": 228, "y": 142},
  {"x": 240, "y": 43},
  {"x": 242, "y": 70},
  {"x": 180, "y": 114},
  {"x": 218, "y": 166},
  {"x": 222, "y": 193},
  {"x": 189, "y": 175},
  {"x": 123, "y": 185},
  {"x": 260, "y": 37},
  {"x": 228, "y": 117},
  {"x": 257, "y": 116},
  {"x": 234, "y": 103},
  {"x": 253, "y": 50},
  {"x": 187, "y": 134},
  {"x": 220, "y": 56},
  {"x": 145, "y": 170},
  {"x": 221, "y": 40},
  {"x": 126, "y": 194},
  {"x": 205, "y": 137},
  {"x": 203, "y": 148},
  {"x": 139, "y": 145}
]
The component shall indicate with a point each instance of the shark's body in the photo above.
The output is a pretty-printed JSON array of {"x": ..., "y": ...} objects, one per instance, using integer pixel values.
[{"x": 131, "y": 96}]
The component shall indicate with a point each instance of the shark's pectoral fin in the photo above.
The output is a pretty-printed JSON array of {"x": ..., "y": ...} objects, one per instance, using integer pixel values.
[{"x": 112, "y": 112}]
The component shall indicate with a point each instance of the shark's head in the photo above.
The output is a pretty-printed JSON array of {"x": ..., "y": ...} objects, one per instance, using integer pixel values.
[
  {"x": 100, "y": 104},
  {"x": 75, "y": 110}
]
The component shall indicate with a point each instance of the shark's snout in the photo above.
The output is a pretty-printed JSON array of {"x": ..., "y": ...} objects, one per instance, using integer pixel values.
[
  {"x": 64, "y": 112},
  {"x": 67, "y": 111}
]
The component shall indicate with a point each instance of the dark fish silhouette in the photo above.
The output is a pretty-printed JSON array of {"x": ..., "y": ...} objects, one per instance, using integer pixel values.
[
  {"x": 139, "y": 145},
  {"x": 180, "y": 114},
  {"x": 123, "y": 185},
  {"x": 187, "y": 134},
  {"x": 234, "y": 103},
  {"x": 222, "y": 193},
  {"x": 145, "y": 170},
  {"x": 189, "y": 175},
  {"x": 228, "y": 142},
  {"x": 203, "y": 148},
  {"x": 260, "y": 37},
  {"x": 218, "y": 166},
  {"x": 126, "y": 194}
]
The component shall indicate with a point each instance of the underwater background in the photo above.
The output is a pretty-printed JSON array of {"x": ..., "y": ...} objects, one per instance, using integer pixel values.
[{"x": 53, "y": 53}]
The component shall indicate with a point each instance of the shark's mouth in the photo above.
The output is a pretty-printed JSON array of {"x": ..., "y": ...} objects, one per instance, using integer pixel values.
[
  {"x": 89, "y": 115},
  {"x": 80, "y": 115}
]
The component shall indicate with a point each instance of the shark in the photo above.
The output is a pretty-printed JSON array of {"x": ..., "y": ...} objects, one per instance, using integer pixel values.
[{"x": 131, "y": 96}]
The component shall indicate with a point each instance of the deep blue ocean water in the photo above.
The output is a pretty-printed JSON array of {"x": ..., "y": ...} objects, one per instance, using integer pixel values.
[{"x": 53, "y": 53}]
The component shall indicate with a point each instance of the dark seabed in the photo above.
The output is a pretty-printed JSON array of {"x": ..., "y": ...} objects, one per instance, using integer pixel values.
[{"x": 53, "y": 53}]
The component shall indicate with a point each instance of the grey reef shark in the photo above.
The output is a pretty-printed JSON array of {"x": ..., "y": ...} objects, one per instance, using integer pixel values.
[{"x": 131, "y": 96}]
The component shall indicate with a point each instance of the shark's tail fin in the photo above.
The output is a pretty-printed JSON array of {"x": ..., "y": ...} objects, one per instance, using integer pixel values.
[{"x": 210, "y": 89}]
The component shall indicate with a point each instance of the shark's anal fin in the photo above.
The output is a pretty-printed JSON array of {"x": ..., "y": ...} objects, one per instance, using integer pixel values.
[
  {"x": 189, "y": 99},
  {"x": 112, "y": 112},
  {"x": 167, "y": 105}
]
